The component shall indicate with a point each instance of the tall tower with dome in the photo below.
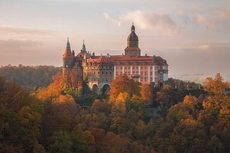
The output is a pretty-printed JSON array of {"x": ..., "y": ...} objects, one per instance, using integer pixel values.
[{"x": 132, "y": 48}]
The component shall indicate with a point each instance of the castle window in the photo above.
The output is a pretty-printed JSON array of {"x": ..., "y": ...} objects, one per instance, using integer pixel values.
[
  {"x": 161, "y": 76},
  {"x": 98, "y": 72},
  {"x": 110, "y": 73},
  {"x": 102, "y": 72},
  {"x": 105, "y": 72},
  {"x": 120, "y": 73}
]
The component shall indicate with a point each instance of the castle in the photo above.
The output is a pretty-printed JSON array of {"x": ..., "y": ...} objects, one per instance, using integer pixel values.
[{"x": 99, "y": 71}]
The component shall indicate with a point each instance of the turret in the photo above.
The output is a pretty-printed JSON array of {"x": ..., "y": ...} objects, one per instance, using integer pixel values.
[{"x": 67, "y": 57}]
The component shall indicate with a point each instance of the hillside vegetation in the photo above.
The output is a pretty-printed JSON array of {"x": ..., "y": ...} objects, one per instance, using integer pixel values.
[
  {"x": 52, "y": 121},
  {"x": 30, "y": 76}
]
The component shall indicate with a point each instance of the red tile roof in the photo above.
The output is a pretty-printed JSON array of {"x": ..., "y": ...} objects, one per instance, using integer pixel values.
[
  {"x": 123, "y": 59},
  {"x": 67, "y": 54}
]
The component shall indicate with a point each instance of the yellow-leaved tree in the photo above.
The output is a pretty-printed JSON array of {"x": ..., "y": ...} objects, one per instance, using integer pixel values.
[
  {"x": 123, "y": 84},
  {"x": 215, "y": 86}
]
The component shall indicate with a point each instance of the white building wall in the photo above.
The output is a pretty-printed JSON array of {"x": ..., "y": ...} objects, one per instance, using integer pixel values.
[
  {"x": 153, "y": 73},
  {"x": 114, "y": 72},
  {"x": 139, "y": 72},
  {"x": 131, "y": 70},
  {"x": 165, "y": 77},
  {"x": 148, "y": 74},
  {"x": 156, "y": 75}
]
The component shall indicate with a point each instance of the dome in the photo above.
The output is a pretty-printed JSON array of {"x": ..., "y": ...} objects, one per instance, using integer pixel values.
[{"x": 132, "y": 36}]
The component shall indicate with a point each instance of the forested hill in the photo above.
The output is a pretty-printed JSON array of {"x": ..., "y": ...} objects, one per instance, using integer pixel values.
[
  {"x": 30, "y": 76},
  {"x": 51, "y": 121}
]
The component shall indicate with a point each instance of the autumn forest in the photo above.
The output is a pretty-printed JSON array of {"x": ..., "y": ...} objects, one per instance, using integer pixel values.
[{"x": 39, "y": 115}]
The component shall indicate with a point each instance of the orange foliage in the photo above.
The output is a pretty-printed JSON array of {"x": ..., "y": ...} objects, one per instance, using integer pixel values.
[
  {"x": 64, "y": 98},
  {"x": 215, "y": 86},
  {"x": 146, "y": 92},
  {"x": 190, "y": 100},
  {"x": 53, "y": 90},
  {"x": 123, "y": 84}
]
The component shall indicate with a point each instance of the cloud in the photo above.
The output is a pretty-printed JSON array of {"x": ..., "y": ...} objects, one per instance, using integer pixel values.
[
  {"x": 206, "y": 48},
  {"x": 24, "y": 31},
  {"x": 201, "y": 19},
  {"x": 24, "y": 34},
  {"x": 20, "y": 36},
  {"x": 218, "y": 19},
  {"x": 147, "y": 19},
  {"x": 107, "y": 17},
  {"x": 10, "y": 43}
]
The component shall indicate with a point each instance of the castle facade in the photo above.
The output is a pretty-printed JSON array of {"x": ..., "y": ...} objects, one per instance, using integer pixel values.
[{"x": 99, "y": 71}]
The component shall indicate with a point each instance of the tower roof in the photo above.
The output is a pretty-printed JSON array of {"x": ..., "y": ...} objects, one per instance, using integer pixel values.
[
  {"x": 132, "y": 36},
  {"x": 67, "y": 53},
  {"x": 68, "y": 45},
  {"x": 83, "y": 46}
]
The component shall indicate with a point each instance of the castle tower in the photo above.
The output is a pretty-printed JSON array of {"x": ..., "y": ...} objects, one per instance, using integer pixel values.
[
  {"x": 67, "y": 57},
  {"x": 132, "y": 48},
  {"x": 68, "y": 62}
]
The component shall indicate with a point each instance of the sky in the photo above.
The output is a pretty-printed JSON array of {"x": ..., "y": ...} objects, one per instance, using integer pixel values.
[{"x": 192, "y": 35}]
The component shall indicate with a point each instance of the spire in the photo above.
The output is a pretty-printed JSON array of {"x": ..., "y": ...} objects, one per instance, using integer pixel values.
[
  {"x": 83, "y": 46},
  {"x": 68, "y": 44},
  {"x": 133, "y": 27}
]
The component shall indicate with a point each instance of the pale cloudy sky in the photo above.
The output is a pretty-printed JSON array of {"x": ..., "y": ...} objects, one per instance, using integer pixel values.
[{"x": 192, "y": 35}]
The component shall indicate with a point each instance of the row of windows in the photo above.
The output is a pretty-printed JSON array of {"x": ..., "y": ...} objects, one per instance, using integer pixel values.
[
  {"x": 134, "y": 67},
  {"x": 102, "y": 72},
  {"x": 163, "y": 67},
  {"x": 135, "y": 72},
  {"x": 99, "y": 67},
  {"x": 145, "y": 79}
]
